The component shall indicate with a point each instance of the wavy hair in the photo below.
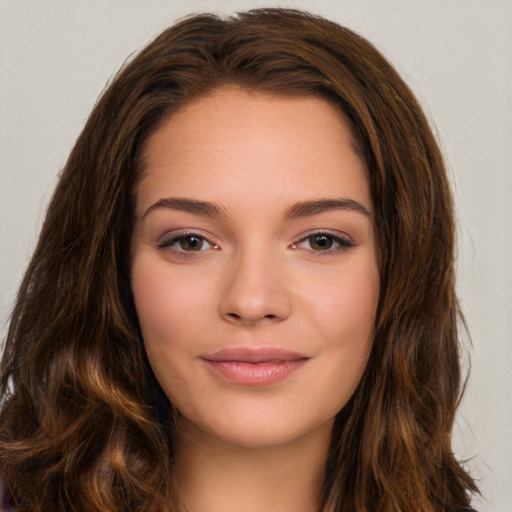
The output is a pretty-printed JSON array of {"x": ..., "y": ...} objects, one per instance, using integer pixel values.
[{"x": 83, "y": 425}]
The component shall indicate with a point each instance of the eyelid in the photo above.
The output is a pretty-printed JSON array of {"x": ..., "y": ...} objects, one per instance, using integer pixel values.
[
  {"x": 170, "y": 238},
  {"x": 343, "y": 240}
]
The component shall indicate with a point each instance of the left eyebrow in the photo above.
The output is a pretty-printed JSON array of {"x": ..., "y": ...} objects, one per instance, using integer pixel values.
[{"x": 307, "y": 208}]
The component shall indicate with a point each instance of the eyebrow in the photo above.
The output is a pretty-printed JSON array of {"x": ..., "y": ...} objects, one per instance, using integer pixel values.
[
  {"x": 193, "y": 206},
  {"x": 300, "y": 209},
  {"x": 307, "y": 208}
]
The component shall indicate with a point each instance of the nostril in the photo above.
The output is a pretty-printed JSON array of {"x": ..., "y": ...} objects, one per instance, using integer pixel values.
[{"x": 238, "y": 317}]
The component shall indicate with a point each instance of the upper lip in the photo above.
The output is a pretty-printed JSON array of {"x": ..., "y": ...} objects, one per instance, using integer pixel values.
[{"x": 254, "y": 355}]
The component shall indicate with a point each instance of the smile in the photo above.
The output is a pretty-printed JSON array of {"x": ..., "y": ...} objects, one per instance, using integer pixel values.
[{"x": 254, "y": 366}]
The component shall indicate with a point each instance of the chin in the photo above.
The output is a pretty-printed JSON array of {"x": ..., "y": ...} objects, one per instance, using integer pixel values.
[{"x": 260, "y": 431}]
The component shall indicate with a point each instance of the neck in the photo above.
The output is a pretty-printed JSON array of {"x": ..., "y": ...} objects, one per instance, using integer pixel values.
[{"x": 216, "y": 476}]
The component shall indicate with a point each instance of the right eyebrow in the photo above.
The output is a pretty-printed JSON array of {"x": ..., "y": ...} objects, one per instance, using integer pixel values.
[{"x": 193, "y": 206}]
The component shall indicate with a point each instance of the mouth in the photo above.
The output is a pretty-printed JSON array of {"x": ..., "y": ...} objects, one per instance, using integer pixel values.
[{"x": 254, "y": 366}]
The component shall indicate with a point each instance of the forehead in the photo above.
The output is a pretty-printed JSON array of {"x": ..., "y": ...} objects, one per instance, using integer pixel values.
[{"x": 265, "y": 146}]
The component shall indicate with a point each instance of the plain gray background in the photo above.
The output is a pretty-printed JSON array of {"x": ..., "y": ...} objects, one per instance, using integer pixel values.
[{"x": 56, "y": 57}]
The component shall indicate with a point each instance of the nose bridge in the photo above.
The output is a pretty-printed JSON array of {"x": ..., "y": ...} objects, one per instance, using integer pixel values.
[{"x": 255, "y": 287}]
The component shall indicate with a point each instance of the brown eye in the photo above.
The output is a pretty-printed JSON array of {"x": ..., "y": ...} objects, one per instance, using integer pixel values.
[
  {"x": 186, "y": 243},
  {"x": 191, "y": 243},
  {"x": 321, "y": 242}
]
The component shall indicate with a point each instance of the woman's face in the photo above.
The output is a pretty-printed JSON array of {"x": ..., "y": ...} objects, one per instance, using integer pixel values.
[{"x": 254, "y": 265}]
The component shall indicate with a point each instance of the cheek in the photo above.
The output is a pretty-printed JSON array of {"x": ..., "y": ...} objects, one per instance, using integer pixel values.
[
  {"x": 167, "y": 306},
  {"x": 343, "y": 310},
  {"x": 344, "y": 318},
  {"x": 168, "y": 311}
]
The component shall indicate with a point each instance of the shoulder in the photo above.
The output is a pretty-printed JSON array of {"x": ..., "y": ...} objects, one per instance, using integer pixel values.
[{"x": 5, "y": 502}]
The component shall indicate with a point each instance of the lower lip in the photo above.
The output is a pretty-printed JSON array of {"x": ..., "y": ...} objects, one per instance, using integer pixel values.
[{"x": 255, "y": 374}]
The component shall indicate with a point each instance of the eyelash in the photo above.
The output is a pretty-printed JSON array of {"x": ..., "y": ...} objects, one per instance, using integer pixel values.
[
  {"x": 337, "y": 243},
  {"x": 166, "y": 243},
  {"x": 340, "y": 243}
]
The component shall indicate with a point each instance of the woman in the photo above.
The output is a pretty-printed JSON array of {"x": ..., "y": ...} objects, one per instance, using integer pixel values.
[{"x": 249, "y": 257}]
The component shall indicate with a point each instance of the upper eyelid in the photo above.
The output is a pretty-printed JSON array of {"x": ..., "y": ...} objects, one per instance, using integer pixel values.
[
  {"x": 168, "y": 241},
  {"x": 174, "y": 235},
  {"x": 178, "y": 233},
  {"x": 331, "y": 232}
]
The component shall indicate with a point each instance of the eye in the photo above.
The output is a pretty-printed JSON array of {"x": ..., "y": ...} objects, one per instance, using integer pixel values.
[
  {"x": 192, "y": 243},
  {"x": 186, "y": 243},
  {"x": 323, "y": 242},
  {"x": 320, "y": 242}
]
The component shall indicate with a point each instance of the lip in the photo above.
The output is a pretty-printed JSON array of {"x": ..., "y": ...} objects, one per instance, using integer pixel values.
[{"x": 254, "y": 366}]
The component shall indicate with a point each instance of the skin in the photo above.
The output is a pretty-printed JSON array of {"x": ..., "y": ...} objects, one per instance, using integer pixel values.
[{"x": 258, "y": 277}]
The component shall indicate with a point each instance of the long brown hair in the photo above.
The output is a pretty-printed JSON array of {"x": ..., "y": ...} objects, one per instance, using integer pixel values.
[{"x": 83, "y": 425}]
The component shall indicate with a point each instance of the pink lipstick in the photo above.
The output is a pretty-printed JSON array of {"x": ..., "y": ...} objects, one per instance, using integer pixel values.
[{"x": 254, "y": 366}]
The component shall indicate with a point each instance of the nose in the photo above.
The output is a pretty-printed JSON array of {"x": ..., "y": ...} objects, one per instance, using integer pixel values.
[{"x": 255, "y": 291}]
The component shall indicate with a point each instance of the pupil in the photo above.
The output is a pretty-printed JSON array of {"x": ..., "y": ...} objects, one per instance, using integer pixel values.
[
  {"x": 321, "y": 242},
  {"x": 191, "y": 243}
]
